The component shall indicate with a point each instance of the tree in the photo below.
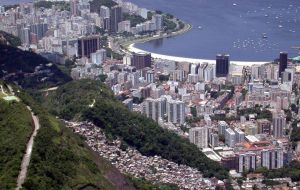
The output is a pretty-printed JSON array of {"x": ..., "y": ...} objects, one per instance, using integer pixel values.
[
  {"x": 134, "y": 19},
  {"x": 103, "y": 77},
  {"x": 158, "y": 12},
  {"x": 294, "y": 108},
  {"x": 255, "y": 187},
  {"x": 149, "y": 15},
  {"x": 261, "y": 170},
  {"x": 239, "y": 181},
  {"x": 222, "y": 138},
  {"x": 194, "y": 111},
  {"x": 163, "y": 77},
  {"x": 169, "y": 16}
]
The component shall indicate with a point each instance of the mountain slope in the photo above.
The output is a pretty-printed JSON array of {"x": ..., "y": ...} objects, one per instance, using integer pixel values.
[
  {"x": 74, "y": 100},
  {"x": 61, "y": 159},
  {"x": 96, "y": 4},
  {"x": 28, "y": 69},
  {"x": 6, "y": 38},
  {"x": 15, "y": 130}
]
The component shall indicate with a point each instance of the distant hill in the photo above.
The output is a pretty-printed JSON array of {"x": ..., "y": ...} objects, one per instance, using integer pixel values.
[
  {"x": 28, "y": 69},
  {"x": 73, "y": 100},
  {"x": 96, "y": 4},
  {"x": 9, "y": 39}
]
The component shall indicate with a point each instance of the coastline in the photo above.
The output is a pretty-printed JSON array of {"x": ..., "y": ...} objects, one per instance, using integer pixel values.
[
  {"x": 128, "y": 46},
  {"x": 128, "y": 43},
  {"x": 133, "y": 49}
]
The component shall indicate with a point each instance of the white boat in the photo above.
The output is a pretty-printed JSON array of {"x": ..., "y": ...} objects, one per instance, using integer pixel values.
[
  {"x": 200, "y": 27},
  {"x": 280, "y": 26},
  {"x": 234, "y": 4},
  {"x": 264, "y": 35}
]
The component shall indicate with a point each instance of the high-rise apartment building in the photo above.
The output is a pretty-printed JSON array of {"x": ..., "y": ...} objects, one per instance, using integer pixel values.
[
  {"x": 246, "y": 162},
  {"x": 272, "y": 158},
  {"x": 199, "y": 136},
  {"x": 264, "y": 126},
  {"x": 239, "y": 135},
  {"x": 283, "y": 58},
  {"x": 98, "y": 57},
  {"x": 222, "y": 126},
  {"x": 157, "y": 20},
  {"x": 222, "y": 65},
  {"x": 74, "y": 7},
  {"x": 279, "y": 123},
  {"x": 209, "y": 73},
  {"x": 194, "y": 68},
  {"x": 104, "y": 12},
  {"x": 116, "y": 16},
  {"x": 88, "y": 45},
  {"x": 141, "y": 60},
  {"x": 214, "y": 140},
  {"x": 150, "y": 76},
  {"x": 230, "y": 137},
  {"x": 154, "y": 108},
  {"x": 39, "y": 29},
  {"x": 175, "y": 111}
]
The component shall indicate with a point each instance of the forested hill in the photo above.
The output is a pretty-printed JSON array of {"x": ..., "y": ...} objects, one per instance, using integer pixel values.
[
  {"x": 73, "y": 100},
  {"x": 96, "y": 4},
  {"x": 60, "y": 159},
  {"x": 9, "y": 39},
  {"x": 28, "y": 69},
  {"x": 15, "y": 130}
]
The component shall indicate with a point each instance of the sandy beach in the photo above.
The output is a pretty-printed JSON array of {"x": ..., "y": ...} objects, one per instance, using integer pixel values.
[{"x": 131, "y": 48}]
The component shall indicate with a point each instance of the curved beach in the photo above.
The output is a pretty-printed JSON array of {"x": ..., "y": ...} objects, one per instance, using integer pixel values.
[{"x": 133, "y": 49}]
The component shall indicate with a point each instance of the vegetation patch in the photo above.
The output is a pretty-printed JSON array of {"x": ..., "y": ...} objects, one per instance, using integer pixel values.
[
  {"x": 28, "y": 69},
  {"x": 133, "y": 128},
  {"x": 15, "y": 131}
]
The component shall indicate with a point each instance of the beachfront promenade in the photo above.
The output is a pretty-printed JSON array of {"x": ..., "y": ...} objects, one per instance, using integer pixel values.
[{"x": 131, "y": 48}]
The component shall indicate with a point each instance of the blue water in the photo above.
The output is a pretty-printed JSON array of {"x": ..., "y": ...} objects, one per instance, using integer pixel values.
[
  {"x": 230, "y": 26},
  {"x": 12, "y": 2},
  {"x": 226, "y": 28}
]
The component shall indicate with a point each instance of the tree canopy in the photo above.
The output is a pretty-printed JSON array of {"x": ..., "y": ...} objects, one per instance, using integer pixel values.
[{"x": 133, "y": 128}]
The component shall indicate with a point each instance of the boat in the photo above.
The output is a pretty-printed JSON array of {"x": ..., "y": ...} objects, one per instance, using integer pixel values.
[
  {"x": 264, "y": 35},
  {"x": 200, "y": 27},
  {"x": 234, "y": 4},
  {"x": 280, "y": 26}
]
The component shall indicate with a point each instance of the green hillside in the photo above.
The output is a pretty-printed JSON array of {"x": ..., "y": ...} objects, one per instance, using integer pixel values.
[
  {"x": 74, "y": 100},
  {"x": 96, "y": 4},
  {"x": 15, "y": 131},
  {"x": 28, "y": 69},
  {"x": 10, "y": 39},
  {"x": 61, "y": 159}
]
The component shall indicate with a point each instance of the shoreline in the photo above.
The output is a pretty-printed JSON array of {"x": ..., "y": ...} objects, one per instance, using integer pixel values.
[
  {"x": 133, "y": 49},
  {"x": 128, "y": 46}
]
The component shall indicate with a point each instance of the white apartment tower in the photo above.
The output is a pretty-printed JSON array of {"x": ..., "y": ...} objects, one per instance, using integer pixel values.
[
  {"x": 272, "y": 158},
  {"x": 154, "y": 109},
  {"x": 279, "y": 123},
  {"x": 239, "y": 135},
  {"x": 175, "y": 111},
  {"x": 199, "y": 136},
  {"x": 247, "y": 161},
  {"x": 157, "y": 20},
  {"x": 230, "y": 137}
]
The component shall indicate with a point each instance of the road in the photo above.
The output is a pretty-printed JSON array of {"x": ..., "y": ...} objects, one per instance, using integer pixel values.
[
  {"x": 27, "y": 156},
  {"x": 298, "y": 147}
]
